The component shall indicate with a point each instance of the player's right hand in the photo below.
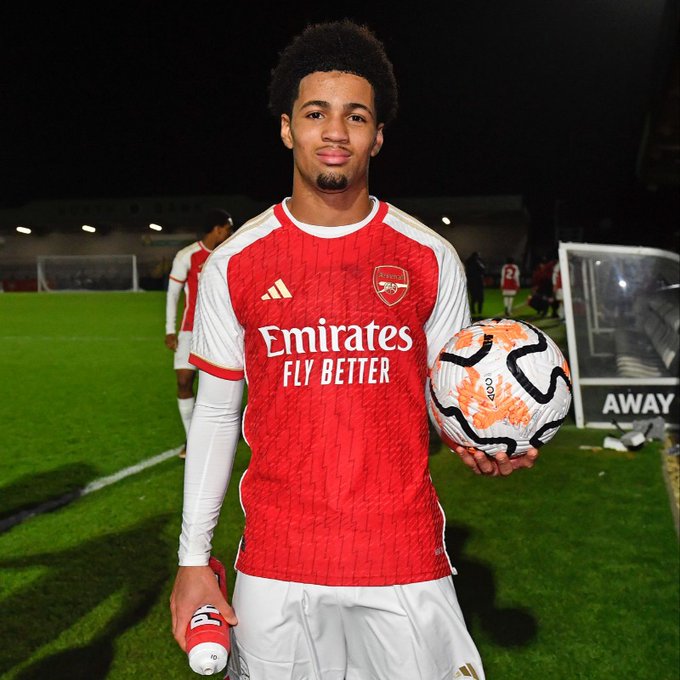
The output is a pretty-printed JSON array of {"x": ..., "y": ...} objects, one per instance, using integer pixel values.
[
  {"x": 171, "y": 341},
  {"x": 500, "y": 465},
  {"x": 195, "y": 587}
]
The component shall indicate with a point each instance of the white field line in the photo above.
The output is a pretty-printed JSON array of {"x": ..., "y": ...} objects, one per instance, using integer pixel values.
[
  {"x": 126, "y": 472},
  {"x": 95, "y": 485}
]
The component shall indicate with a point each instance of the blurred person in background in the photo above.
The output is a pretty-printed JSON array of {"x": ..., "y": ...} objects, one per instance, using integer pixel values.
[
  {"x": 541, "y": 298},
  {"x": 186, "y": 268},
  {"x": 475, "y": 270},
  {"x": 558, "y": 293},
  {"x": 509, "y": 284}
]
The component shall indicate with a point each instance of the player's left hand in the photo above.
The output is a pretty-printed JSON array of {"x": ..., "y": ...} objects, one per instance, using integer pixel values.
[
  {"x": 194, "y": 587},
  {"x": 499, "y": 466}
]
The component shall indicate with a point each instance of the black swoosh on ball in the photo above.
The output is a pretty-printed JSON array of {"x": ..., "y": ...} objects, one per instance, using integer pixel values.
[
  {"x": 536, "y": 441},
  {"x": 474, "y": 358},
  {"x": 520, "y": 376},
  {"x": 454, "y": 411}
]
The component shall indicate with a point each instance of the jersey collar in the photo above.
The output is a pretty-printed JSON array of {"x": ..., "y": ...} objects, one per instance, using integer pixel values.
[{"x": 285, "y": 217}]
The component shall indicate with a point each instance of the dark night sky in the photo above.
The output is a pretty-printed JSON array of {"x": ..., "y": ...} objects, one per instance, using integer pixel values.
[{"x": 544, "y": 98}]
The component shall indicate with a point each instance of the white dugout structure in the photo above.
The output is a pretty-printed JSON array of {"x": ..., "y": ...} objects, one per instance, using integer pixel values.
[{"x": 622, "y": 312}]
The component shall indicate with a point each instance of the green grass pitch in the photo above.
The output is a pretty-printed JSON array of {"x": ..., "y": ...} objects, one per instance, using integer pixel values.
[{"x": 566, "y": 571}]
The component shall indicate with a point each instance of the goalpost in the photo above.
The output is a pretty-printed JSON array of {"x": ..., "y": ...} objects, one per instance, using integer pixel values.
[{"x": 87, "y": 272}]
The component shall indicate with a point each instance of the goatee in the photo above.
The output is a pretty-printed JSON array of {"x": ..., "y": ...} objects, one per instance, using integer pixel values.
[{"x": 331, "y": 182}]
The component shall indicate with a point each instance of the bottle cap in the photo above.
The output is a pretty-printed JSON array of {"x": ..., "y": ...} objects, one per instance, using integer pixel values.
[{"x": 208, "y": 658}]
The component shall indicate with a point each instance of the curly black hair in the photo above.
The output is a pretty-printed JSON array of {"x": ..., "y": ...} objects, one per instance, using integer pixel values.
[
  {"x": 334, "y": 46},
  {"x": 216, "y": 217}
]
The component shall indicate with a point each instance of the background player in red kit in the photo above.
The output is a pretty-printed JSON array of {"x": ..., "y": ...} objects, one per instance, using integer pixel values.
[
  {"x": 510, "y": 282},
  {"x": 186, "y": 267},
  {"x": 332, "y": 305}
]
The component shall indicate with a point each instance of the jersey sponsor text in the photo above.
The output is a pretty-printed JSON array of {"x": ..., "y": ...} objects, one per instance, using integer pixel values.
[{"x": 331, "y": 338}]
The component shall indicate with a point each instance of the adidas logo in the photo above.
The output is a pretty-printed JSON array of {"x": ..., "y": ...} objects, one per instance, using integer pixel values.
[
  {"x": 277, "y": 291},
  {"x": 467, "y": 671}
]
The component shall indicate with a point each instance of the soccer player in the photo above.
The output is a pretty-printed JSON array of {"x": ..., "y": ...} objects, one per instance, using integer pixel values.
[
  {"x": 509, "y": 284},
  {"x": 186, "y": 267},
  {"x": 475, "y": 270},
  {"x": 558, "y": 292},
  {"x": 331, "y": 304}
]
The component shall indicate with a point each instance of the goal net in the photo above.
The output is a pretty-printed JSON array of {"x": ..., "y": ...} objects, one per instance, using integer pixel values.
[{"x": 87, "y": 272}]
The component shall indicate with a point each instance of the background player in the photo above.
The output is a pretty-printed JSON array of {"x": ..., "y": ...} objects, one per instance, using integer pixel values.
[
  {"x": 186, "y": 267},
  {"x": 333, "y": 304},
  {"x": 509, "y": 284},
  {"x": 558, "y": 292},
  {"x": 475, "y": 270}
]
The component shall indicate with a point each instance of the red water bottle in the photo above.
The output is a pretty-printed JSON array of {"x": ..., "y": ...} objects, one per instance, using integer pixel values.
[{"x": 208, "y": 633}]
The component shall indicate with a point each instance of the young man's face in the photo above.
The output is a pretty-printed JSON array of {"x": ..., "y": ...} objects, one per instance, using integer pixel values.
[
  {"x": 222, "y": 232},
  {"x": 332, "y": 130}
]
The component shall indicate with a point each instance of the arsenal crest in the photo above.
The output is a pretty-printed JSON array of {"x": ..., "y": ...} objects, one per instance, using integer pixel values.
[{"x": 390, "y": 283}]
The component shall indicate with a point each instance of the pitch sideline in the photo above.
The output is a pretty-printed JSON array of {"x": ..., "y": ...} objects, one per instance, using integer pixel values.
[{"x": 94, "y": 485}]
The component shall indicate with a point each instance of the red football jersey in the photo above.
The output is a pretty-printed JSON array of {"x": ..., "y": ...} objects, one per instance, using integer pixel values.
[
  {"x": 186, "y": 268},
  {"x": 334, "y": 329},
  {"x": 510, "y": 278}
]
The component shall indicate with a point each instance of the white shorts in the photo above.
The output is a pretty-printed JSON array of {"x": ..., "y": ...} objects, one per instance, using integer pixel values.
[
  {"x": 182, "y": 351},
  {"x": 298, "y": 631}
]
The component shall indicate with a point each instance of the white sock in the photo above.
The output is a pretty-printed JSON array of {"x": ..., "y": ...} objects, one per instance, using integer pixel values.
[{"x": 186, "y": 408}]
